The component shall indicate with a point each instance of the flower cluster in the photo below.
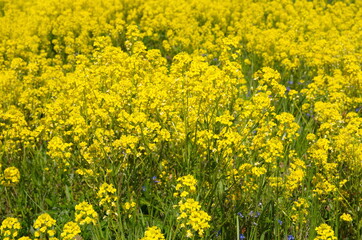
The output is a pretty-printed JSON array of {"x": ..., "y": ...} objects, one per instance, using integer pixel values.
[
  {"x": 346, "y": 217},
  {"x": 185, "y": 186},
  {"x": 85, "y": 214},
  {"x": 9, "y": 228},
  {"x": 153, "y": 233},
  {"x": 244, "y": 180},
  {"x": 44, "y": 226},
  {"x": 107, "y": 197},
  {"x": 191, "y": 217},
  {"x": 128, "y": 208},
  {"x": 300, "y": 211},
  {"x": 10, "y": 177},
  {"x": 25, "y": 238},
  {"x": 262, "y": 99},
  {"x": 70, "y": 231},
  {"x": 325, "y": 232}
]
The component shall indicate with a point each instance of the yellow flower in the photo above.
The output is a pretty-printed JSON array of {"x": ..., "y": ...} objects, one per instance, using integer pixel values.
[
  {"x": 192, "y": 215},
  {"x": 300, "y": 211},
  {"x": 44, "y": 225},
  {"x": 325, "y": 232},
  {"x": 9, "y": 228},
  {"x": 24, "y": 238},
  {"x": 153, "y": 233},
  {"x": 11, "y": 176},
  {"x": 85, "y": 214},
  {"x": 129, "y": 205},
  {"x": 70, "y": 230},
  {"x": 346, "y": 217},
  {"x": 188, "y": 183},
  {"x": 107, "y": 197}
]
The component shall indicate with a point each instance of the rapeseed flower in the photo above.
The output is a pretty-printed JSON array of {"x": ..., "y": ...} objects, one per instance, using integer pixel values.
[
  {"x": 107, "y": 197},
  {"x": 85, "y": 214},
  {"x": 10, "y": 177},
  {"x": 325, "y": 232},
  {"x": 70, "y": 230},
  {"x": 9, "y": 228},
  {"x": 25, "y": 238},
  {"x": 153, "y": 233},
  {"x": 44, "y": 226},
  {"x": 260, "y": 98},
  {"x": 346, "y": 217},
  {"x": 191, "y": 215}
]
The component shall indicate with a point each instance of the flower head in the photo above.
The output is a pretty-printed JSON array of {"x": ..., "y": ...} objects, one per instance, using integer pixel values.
[
  {"x": 153, "y": 233},
  {"x": 85, "y": 214},
  {"x": 70, "y": 230},
  {"x": 9, "y": 228},
  {"x": 44, "y": 225},
  {"x": 11, "y": 176}
]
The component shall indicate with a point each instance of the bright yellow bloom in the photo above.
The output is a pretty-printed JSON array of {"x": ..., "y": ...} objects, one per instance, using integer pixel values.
[
  {"x": 128, "y": 205},
  {"x": 70, "y": 230},
  {"x": 187, "y": 181},
  {"x": 85, "y": 214},
  {"x": 24, "y": 238},
  {"x": 325, "y": 232},
  {"x": 346, "y": 217},
  {"x": 11, "y": 176},
  {"x": 107, "y": 197},
  {"x": 44, "y": 225},
  {"x": 9, "y": 228},
  {"x": 192, "y": 215},
  {"x": 153, "y": 233}
]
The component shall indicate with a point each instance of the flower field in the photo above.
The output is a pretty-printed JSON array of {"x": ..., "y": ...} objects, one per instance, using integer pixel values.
[{"x": 180, "y": 119}]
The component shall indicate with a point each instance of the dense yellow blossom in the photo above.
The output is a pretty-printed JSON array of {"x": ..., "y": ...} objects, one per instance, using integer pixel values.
[
  {"x": 222, "y": 107},
  {"x": 192, "y": 215},
  {"x": 244, "y": 180},
  {"x": 296, "y": 175},
  {"x": 153, "y": 233},
  {"x": 107, "y": 197},
  {"x": 44, "y": 226},
  {"x": 24, "y": 238},
  {"x": 9, "y": 228},
  {"x": 185, "y": 185},
  {"x": 10, "y": 177},
  {"x": 346, "y": 217},
  {"x": 85, "y": 214},
  {"x": 70, "y": 230},
  {"x": 325, "y": 232},
  {"x": 300, "y": 211}
]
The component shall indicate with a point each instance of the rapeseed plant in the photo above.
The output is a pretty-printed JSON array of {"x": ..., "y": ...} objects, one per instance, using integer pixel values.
[
  {"x": 10, "y": 177},
  {"x": 153, "y": 233},
  {"x": 325, "y": 232},
  {"x": 107, "y": 197},
  {"x": 10, "y": 228},
  {"x": 346, "y": 217},
  {"x": 24, "y": 238},
  {"x": 214, "y": 107},
  {"x": 44, "y": 226},
  {"x": 85, "y": 214},
  {"x": 70, "y": 231}
]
